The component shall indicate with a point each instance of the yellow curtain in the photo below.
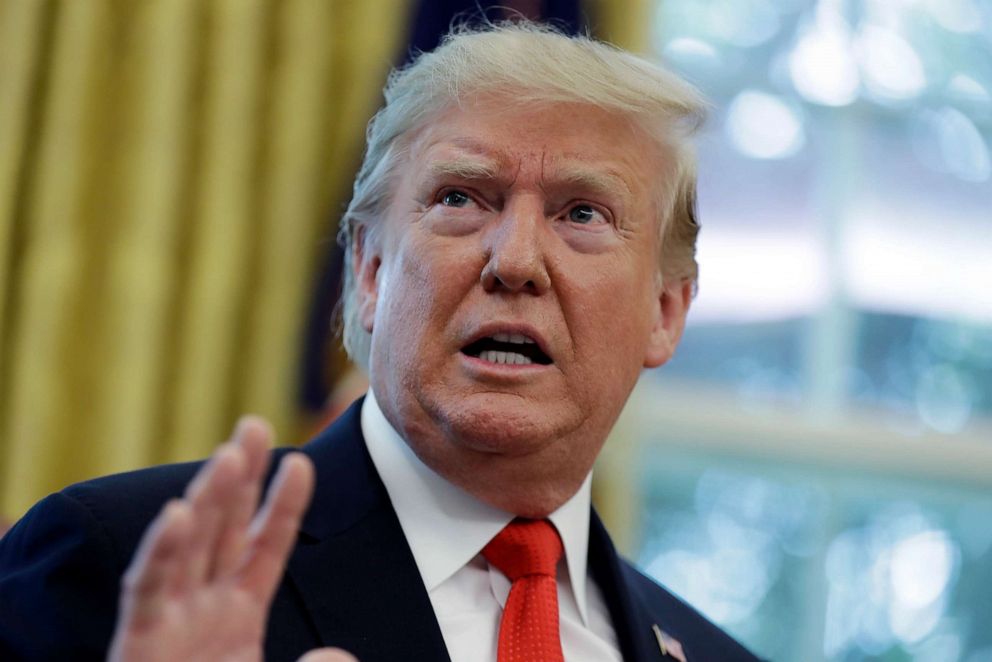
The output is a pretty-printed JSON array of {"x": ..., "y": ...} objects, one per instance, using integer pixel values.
[
  {"x": 625, "y": 23},
  {"x": 170, "y": 171}
]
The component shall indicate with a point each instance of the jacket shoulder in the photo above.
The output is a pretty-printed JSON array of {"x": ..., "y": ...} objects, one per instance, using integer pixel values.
[
  {"x": 124, "y": 504},
  {"x": 60, "y": 565}
]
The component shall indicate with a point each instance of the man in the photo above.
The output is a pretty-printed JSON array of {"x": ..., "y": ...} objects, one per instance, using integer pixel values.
[{"x": 520, "y": 246}]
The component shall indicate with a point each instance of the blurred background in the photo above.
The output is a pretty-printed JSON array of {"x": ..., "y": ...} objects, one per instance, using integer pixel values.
[{"x": 812, "y": 470}]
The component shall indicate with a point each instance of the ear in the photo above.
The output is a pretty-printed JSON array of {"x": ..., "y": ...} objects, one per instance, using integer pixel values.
[
  {"x": 365, "y": 263},
  {"x": 669, "y": 321}
]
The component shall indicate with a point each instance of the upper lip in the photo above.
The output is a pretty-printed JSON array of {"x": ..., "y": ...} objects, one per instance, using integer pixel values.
[{"x": 490, "y": 329}]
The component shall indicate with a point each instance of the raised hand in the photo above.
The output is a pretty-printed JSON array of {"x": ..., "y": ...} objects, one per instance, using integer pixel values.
[{"x": 201, "y": 582}]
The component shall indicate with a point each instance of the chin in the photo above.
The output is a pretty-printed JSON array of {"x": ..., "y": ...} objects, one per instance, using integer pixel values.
[
  {"x": 531, "y": 486},
  {"x": 537, "y": 505},
  {"x": 521, "y": 456},
  {"x": 505, "y": 424}
]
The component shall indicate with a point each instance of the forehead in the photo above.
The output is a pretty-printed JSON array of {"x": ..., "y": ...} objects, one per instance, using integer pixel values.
[{"x": 493, "y": 137}]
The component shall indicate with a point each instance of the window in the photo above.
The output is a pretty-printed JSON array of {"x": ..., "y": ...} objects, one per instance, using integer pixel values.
[{"x": 815, "y": 463}]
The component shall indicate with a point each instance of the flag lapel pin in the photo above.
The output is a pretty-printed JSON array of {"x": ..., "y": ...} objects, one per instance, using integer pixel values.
[{"x": 668, "y": 644}]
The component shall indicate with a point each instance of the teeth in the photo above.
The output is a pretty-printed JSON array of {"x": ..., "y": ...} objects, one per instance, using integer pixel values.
[
  {"x": 516, "y": 338},
  {"x": 511, "y": 358}
]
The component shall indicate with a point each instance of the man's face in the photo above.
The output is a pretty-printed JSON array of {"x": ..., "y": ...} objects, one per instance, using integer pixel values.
[{"x": 513, "y": 295}]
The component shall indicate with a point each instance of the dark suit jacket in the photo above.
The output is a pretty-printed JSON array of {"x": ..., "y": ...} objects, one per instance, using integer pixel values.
[{"x": 351, "y": 580}]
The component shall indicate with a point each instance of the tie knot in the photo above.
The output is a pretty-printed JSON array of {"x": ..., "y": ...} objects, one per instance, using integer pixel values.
[{"x": 525, "y": 547}]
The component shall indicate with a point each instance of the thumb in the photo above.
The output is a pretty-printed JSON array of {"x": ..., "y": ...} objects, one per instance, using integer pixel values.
[{"x": 328, "y": 655}]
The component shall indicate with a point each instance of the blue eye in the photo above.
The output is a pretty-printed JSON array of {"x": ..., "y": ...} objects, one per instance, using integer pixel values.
[
  {"x": 455, "y": 199},
  {"x": 582, "y": 214}
]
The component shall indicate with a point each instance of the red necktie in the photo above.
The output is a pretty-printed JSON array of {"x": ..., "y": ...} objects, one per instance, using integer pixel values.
[{"x": 527, "y": 552}]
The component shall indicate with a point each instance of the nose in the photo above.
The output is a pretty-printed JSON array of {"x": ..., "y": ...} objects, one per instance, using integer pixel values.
[{"x": 515, "y": 259}]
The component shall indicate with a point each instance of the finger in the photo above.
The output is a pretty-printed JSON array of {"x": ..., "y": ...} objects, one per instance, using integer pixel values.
[
  {"x": 328, "y": 655},
  {"x": 147, "y": 582},
  {"x": 275, "y": 528},
  {"x": 211, "y": 495},
  {"x": 250, "y": 438},
  {"x": 253, "y": 435}
]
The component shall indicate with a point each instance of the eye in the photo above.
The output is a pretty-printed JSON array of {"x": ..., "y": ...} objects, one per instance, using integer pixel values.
[
  {"x": 456, "y": 199},
  {"x": 585, "y": 214}
]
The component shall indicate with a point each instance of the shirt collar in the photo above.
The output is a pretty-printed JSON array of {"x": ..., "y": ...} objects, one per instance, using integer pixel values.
[{"x": 445, "y": 526}]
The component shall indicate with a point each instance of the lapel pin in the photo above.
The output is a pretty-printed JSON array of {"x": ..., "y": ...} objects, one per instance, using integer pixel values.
[{"x": 668, "y": 644}]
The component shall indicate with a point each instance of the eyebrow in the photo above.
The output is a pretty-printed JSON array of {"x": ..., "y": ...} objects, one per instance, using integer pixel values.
[
  {"x": 487, "y": 166},
  {"x": 600, "y": 181},
  {"x": 473, "y": 160},
  {"x": 464, "y": 169}
]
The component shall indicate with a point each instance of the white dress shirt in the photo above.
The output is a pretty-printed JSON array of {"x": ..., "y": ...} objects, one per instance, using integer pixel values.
[{"x": 447, "y": 528}]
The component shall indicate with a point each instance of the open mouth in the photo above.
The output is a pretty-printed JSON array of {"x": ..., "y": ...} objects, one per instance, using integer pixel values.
[{"x": 507, "y": 348}]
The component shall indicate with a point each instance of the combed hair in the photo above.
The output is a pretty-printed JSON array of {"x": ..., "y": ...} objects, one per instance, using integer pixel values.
[{"x": 534, "y": 64}]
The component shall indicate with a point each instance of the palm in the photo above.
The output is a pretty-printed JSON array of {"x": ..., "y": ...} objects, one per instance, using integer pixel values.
[
  {"x": 199, "y": 626},
  {"x": 201, "y": 582}
]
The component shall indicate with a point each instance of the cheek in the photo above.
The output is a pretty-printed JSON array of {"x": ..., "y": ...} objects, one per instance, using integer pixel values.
[
  {"x": 401, "y": 323},
  {"x": 611, "y": 318},
  {"x": 405, "y": 301},
  {"x": 424, "y": 283}
]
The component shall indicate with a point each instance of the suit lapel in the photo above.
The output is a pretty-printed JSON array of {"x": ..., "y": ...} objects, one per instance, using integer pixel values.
[
  {"x": 352, "y": 565},
  {"x": 632, "y": 620}
]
